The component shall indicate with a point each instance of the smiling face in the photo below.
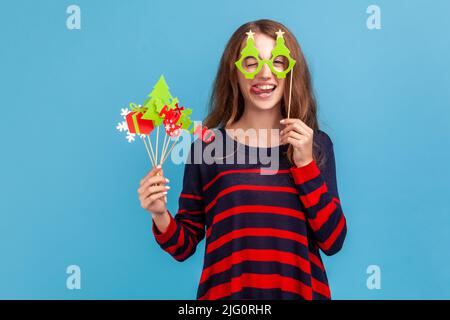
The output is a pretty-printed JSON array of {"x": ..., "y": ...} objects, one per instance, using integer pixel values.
[{"x": 265, "y": 90}]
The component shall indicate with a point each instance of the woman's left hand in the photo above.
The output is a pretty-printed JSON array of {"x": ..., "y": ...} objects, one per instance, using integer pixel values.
[{"x": 300, "y": 136}]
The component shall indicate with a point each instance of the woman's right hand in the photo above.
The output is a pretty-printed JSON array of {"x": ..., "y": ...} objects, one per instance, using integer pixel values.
[{"x": 152, "y": 191}]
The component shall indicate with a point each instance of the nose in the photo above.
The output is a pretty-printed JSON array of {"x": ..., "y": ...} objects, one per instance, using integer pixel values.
[{"x": 265, "y": 72}]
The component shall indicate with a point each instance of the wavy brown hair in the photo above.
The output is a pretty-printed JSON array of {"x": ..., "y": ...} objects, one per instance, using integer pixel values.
[{"x": 227, "y": 102}]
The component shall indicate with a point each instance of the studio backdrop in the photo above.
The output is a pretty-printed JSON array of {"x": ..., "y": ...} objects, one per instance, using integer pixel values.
[{"x": 71, "y": 225}]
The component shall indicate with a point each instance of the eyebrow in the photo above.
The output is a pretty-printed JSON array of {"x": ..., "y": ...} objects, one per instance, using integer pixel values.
[{"x": 259, "y": 55}]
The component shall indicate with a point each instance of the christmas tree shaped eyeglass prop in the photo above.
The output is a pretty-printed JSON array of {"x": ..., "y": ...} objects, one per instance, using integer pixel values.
[
  {"x": 280, "y": 63},
  {"x": 250, "y": 64}
]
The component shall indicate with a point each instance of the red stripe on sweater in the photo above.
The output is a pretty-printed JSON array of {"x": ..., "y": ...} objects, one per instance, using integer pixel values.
[
  {"x": 259, "y": 171},
  {"x": 190, "y": 196},
  {"x": 320, "y": 288},
  {"x": 322, "y": 216},
  {"x": 251, "y": 188},
  {"x": 259, "y": 281},
  {"x": 336, "y": 232},
  {"x": 306, "y": 173},
  {"x": 256, "y": 232},
  {"x": 254, "y": 209},
  {"x": 179, "y": 242},
  {"x": 195, "y": 224},
  {"x": 192, "y": 231},
  {"x": 186, "y": 252},
  {"x": 260, "y": 255},
  {"x": 208, "y": 232},
  {"x": 258, "y": 209},
  {"x": 164, "y": 237},
  {"x": 315, "y": 259},
  {"x": 313, "y": 198},
  {"x": 190, "y": 212}
]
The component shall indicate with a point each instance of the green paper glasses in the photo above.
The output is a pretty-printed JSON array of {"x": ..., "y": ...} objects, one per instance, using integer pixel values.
[{"x": 250, "y": 64}]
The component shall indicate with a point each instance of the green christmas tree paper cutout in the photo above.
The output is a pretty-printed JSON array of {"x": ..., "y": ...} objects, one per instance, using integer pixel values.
[
  {"x": 185, "y": 120},
  {"x": 173, "y": 103},
  {"x": 152, "y": 113},
  {"x": 161, "y": 91},
  {"x": 156, "y": 100},
  {"x": 249, "y": 50},
  {"x": 280, "y": 49}
]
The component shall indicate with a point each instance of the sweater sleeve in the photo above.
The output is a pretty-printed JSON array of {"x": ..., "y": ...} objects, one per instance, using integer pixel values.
[
  {"x": 187, "y": 228},
  {"x": 318, "y": 193}
]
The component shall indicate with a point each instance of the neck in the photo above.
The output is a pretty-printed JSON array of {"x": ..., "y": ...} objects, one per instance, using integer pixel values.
[{"x": 255, "y": 118}]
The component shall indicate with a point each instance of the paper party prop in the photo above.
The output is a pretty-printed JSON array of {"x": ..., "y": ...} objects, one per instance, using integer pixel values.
[
  {"x": 204, "y": 133},
  {"x": 159, "y": 108},
  {"x": 157, "y": 99},
  {"x": 135, "y": 122},
  {"x": 280, "y": 63},
  {"x": 171, "y": 118},
  {"x": 185, "y": 120},
  {"x": 250, "y": 63}
]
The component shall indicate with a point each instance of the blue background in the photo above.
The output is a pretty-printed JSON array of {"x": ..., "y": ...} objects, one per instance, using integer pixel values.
[{"x": 69, "y": 178}]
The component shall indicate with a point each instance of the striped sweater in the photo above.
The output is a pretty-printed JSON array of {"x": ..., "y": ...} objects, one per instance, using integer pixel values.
[{"x": 264, "y": 228}]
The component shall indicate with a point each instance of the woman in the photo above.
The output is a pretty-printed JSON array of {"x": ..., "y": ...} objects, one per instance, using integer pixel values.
[{"x": 264, "y": 228}]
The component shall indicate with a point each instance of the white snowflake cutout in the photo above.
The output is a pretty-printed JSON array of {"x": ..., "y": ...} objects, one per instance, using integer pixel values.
[
  {"x": 122, "y": 126},
  {"x": 130, "y": 137},
  {"x": 124, "y": 112}
]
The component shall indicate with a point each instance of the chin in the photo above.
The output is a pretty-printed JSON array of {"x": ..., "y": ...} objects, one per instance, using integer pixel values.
[
  {"x": 266, "y": 102},
  {"x": 266, "y": 105}
]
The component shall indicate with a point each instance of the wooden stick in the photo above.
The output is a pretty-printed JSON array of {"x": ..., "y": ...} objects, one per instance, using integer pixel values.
[
  {"x": 170, "y": 150},
  {"x": 157, "y": 143},
  {"x": 167, "y": 147},
  {"x": 148, "y": 151},
  {"x": 165, "y": 152},
  {"x": 290, "y": 95},
  {"x": 151, "y": 149},
  {"x": 163, "y": 149},
  {"x": 156, "y": 155}
]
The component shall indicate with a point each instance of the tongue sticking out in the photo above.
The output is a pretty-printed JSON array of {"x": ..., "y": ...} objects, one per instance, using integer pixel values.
[{"x": 261, "y": 91}]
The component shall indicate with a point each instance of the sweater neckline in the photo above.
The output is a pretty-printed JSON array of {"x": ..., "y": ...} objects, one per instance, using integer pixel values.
[{"x": 246, "y": 146}]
